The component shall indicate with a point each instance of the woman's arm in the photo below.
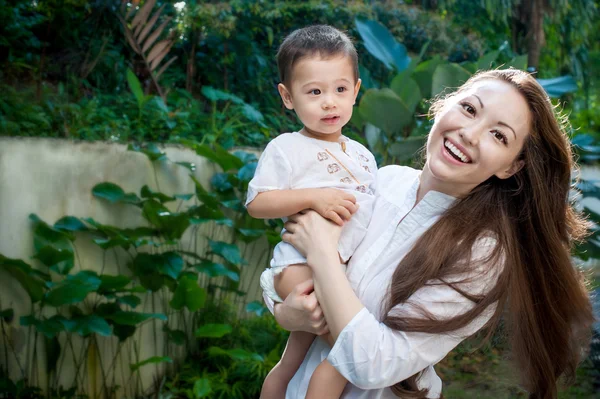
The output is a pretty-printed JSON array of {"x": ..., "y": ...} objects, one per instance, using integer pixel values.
[
  {"x": 367, "y": 353},
  {"x": 336, "y": 297},
  {"x": 333, "y": 204}
]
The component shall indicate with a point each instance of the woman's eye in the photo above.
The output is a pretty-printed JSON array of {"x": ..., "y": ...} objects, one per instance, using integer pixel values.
[
  {"x": 341, "y": 89},
  {"x": 499, "y": 136},
  {"x": 316, "y": 92},
  {"x": 469, "y": 108}
]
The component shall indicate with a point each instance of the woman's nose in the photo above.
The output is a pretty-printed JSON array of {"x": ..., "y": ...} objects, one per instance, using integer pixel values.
[{"x": 470, "y": 135}]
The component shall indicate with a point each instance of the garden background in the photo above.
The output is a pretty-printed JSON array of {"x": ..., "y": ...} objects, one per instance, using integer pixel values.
[{"x": 130, "y": 130}]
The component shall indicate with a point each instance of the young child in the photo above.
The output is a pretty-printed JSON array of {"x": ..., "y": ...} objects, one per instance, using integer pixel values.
[{"x": 315, "y": 168}]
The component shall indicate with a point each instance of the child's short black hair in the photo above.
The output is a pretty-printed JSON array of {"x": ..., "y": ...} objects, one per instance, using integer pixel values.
[{"x": 323, "y": 40}]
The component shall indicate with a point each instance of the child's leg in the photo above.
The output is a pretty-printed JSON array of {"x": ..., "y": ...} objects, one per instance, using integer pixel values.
[
  {"x": 277, "y": 380},
  {"x": 326, "y": 382}
]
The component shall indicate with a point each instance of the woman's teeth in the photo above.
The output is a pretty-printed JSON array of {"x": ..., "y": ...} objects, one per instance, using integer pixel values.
[{"x": 456, "y": 152}]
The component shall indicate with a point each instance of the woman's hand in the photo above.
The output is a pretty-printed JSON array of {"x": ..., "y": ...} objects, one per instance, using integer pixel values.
[
  {"x": 300, "y": 311},
  {"x": 312, "y": 235}
]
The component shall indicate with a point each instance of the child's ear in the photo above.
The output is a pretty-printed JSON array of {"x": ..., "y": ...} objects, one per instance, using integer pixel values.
[
  {"x": 514, "y": 168},
  {"x": 285, "y": 96},
  {"x": 356, "y": 89}
]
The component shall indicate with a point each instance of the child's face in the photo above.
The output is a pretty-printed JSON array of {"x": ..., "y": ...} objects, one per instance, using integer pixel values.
[{"x": 322, "y": 93}]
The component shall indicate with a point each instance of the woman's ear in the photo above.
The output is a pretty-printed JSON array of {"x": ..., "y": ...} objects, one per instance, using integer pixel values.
[
  {"x": 356, "y": 89},
  {"x": 516, "y": 166},
  {"x": 286, "y": 97}
]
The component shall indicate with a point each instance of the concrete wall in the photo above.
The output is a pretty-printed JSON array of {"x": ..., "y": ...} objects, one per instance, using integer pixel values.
[{"x": 54, "y": 178}]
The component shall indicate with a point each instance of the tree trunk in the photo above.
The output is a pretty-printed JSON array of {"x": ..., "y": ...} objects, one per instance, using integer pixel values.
[{"x": 535, "y": 35}]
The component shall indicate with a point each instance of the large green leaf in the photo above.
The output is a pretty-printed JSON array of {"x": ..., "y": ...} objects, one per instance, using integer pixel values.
[
  {"x": 25, "y": 275},
  {"x": 172, "y": 225},
  {"x": 70, "y": 223},
  {"x": 134, "y": 318},
  {"x": 448, "y": 76},
  {"x": 423, "y": 74},
  {"x": 256, "y": 307},
  {"x": 252, "y": 114},
  {"x": 168, "y": 264},
  {"x": 130, "y": 300},
  {"x": 407, "y": 148},
  {"x": 202, "y": 388},
  {"x": 175, "y": 336},
  {"x": 53, "y": 247},
  {"x": 229, "y": 252},
  {"x": 135, "y": 87},
  {"x": 188, "y": 294},
  {"x": 152, "y": 360},
  {"x": 146, "y": 192},
  {"x": 150, "y": 150},
  {"x": 213, "y": 331},
  {"x": 487, "y": 60},
  {"x": 208, "y": 199},
  {"x": 89, "y": 324},
  {"x": 407, "y": 89},
  {"x": 557, "y": 87},
  {"x": 213, "y": 269},
  {"x": 384, "y": 109},
  {"x": 235, "y": 354},
  {"x": 74, "y": 288},
  {"x": 113, "y": 283},
  {"x": 219, "y": 95},
  {"x": 57, "y": 259},
  {"x": 367, "y": 81},
  {"x": 114, "y": 194},
  {"x": 519, "y": 62},
  {"x": 382, "y": 45}
]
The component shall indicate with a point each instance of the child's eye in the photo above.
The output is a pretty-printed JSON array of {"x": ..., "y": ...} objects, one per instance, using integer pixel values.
[
  {"x": 500, "y": 136},
  {"x": 469, "y": 108},
  {"x": 341, "y": 89},
  {"x": 316, "y": 92}
]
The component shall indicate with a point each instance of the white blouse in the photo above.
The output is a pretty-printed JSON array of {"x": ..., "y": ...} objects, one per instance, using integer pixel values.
[{"x": 371, "y": 356}]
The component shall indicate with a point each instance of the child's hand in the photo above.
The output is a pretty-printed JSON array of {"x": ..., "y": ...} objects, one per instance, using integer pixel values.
[{"x": 335, "y": 205}]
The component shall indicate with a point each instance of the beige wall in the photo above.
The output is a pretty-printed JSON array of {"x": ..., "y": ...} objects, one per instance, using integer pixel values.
[{"x": 54, "y": 178}]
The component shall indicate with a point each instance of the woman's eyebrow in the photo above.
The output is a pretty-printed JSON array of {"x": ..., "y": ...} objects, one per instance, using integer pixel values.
[
  {"x": 480, "y": 103},
  {"x": 500, "y": 122},
  {"x": 508, "y": 126}
]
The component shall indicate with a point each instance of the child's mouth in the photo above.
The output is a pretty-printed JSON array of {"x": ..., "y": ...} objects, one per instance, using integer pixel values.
[{"x": 331, "y": 119}]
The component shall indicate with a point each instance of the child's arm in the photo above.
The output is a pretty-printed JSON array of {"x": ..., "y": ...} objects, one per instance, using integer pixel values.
[{"x": 336, "y": 205}]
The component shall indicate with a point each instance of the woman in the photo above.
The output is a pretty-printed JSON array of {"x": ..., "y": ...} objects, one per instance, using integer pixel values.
[{"x": 484, "y": 230}]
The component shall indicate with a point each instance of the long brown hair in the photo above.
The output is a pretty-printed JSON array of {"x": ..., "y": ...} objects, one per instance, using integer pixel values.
[{"x": 538, "y": 291}]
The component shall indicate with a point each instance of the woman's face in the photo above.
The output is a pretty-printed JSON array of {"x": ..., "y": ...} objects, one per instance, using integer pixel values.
[{"x": 478, "y": 134}]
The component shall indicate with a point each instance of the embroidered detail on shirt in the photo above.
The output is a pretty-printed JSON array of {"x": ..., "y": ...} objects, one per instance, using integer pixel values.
[
  {"x": 346, "y": 180},
  {"x": 362, "y": 157},
  {"x": 345, "y": 168},
  {"x": 321, "y": 156},
  {"x": 362, "y": 188},
  {"x": 343, "y": 144},
  {"x": 333, "y": 167},
  {"x": 366, "y": 168}
]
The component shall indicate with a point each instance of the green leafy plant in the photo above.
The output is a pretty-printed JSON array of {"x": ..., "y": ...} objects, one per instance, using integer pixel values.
[
  {"x": 69, "y": 303},
  {"x": 392, "y": 117},
  {"x": 142, "y": 33}
]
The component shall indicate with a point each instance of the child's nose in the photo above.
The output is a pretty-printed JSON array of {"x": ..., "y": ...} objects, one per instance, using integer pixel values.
[{"x": 327, "y": 102}]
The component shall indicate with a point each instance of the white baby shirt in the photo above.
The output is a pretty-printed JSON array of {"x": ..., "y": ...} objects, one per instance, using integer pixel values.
[{"x": 295, "y": 161}]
